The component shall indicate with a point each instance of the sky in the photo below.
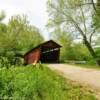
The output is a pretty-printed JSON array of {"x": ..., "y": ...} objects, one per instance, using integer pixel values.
[{"x": 34, "y": 9}]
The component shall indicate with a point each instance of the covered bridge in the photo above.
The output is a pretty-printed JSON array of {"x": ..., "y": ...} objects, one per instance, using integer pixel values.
[{"x": 47, "y": 52}]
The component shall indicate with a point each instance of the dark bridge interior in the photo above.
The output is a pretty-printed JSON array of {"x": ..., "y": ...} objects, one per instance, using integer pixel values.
[
  {"x": 50, "y": 55},
  {"x": 47, "y": 52}
]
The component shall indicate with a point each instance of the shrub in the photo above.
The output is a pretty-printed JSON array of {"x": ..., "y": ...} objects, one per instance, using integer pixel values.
[
  {"x": 75, "y": 52},
  {"x": 28, "y": 83}
]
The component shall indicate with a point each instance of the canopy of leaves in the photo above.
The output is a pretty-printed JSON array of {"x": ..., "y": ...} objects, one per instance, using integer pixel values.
[
  {"x": 96, "y": 15},
  {"x": 17, "y": 37},
  {"x": 20, "y": 35},
  {"x": 74, "y": 16}
]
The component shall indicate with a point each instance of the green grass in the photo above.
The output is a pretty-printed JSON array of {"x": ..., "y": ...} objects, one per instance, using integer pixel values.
[
  {"x": 28, "y": 83},
  {"x": 87, "y": 66}
]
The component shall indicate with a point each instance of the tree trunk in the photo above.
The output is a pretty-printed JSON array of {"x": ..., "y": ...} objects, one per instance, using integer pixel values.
[{"x": 88, "y": 45}]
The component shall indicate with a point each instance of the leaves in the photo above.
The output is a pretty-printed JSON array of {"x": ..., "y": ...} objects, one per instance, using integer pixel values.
[
  {"x": 18, "y": 36},
  {"x": 2, "y": 15}
]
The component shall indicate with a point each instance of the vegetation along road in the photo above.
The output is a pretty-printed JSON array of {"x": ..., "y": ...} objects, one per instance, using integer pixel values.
[{"x": 90, "y": 77}]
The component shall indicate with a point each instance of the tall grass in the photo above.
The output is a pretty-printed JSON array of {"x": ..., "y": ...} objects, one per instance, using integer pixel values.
[{"x": 28, "y": 83}]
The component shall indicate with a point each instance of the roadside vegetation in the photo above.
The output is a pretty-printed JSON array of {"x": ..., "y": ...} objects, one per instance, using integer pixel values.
[
  {"x": 16, "y": 38},
  {"x": 91, "y": 66},
  {"x": 76, "y": 26},
  {"x": 31, "y": 83},
  {"x": 19, "y": 82}
]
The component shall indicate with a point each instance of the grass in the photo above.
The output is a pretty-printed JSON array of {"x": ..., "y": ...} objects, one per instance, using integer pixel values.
[
  {"x": 87, "y": 66},
  {"x": 28, "y": 83}
]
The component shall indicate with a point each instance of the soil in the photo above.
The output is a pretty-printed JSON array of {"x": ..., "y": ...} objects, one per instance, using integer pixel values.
[{"x": 84, "y": 76}]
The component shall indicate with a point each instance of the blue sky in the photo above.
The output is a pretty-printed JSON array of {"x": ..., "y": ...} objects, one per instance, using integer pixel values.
[{"x": 34, "y": 9}]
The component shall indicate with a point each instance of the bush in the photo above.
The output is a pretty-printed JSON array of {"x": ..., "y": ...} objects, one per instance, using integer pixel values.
[
  {"x": 76, "y": 52},
  {"x": 97, "y": 51},
  {"x": 28, "y": 83},
  {"x": 9, "y": 59}
]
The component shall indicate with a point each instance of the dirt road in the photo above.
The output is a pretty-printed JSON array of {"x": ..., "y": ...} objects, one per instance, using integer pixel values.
[{"x": 90, "y": 77}]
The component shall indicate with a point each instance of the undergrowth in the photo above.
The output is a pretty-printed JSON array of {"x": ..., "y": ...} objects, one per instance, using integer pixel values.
[{"x": 30, "y": 83}]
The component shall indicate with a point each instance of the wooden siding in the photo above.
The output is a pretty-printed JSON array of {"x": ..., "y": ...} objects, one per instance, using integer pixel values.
[
  {"x": 33, "y": 56},
  {"x": 47, "y": 52}
]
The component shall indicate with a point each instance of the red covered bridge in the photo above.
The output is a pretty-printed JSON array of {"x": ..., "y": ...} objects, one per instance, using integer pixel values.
[{"x": 47, "y": 52}]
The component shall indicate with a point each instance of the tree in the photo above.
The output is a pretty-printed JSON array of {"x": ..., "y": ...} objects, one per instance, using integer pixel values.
[
  {"x": 70, "y": 50},
  {"x": 2, "y": 25},
  {"x": 19, "y": 37},
  {"x": 75, "y": 17},
  {"x": 96, "y": 14},
  {"x": 23, "y": 35},
  {"x": 2, "y": 16},
  {"x": 65, "y": 40},
  {"x": 3, "y": 28}
]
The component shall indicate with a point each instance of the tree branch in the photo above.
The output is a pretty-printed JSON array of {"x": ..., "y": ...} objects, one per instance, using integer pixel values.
[
  {"x": 94, "y": 5},
  {"x": 79, "y": 29},
  {"x": 83, "y": 19},
  {"x": 90, "y": 39}
]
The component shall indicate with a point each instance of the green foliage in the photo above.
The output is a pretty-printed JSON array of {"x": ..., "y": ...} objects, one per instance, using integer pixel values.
[
  {"x": 97, "y": 50},
  {"x": 28, "y": 83},
  {"x": 2, "y": 15},
  {"x": 70, "y": 50},
  {"x": 97, "y": 42},
  {"x": 21, "y": 35},
  {"x": 76, "y": 52},
  {"x": 81, "y": 52},
  {"x": 96, "y": 15},
  {"x": 16, "y": 38},
  {"x": 73, "y": 17}
]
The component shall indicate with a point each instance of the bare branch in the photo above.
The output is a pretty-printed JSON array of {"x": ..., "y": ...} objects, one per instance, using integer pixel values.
[
  {"x": 77, "y": 27},
  {"x": 91, "y": 35},
  {"x": 72, "y": 20},
  {"x": 83, "y": 19},
  {"x": 94, "y": 5}
]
